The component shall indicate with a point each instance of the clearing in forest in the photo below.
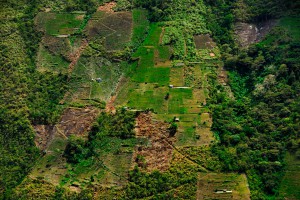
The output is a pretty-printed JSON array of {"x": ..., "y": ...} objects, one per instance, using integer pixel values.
[
  {"x": 113, "y": 28},
  {"x": 172, "y": 90},
  {"x": 53, "y": 140},
  {"x": 222, "y": 186}
]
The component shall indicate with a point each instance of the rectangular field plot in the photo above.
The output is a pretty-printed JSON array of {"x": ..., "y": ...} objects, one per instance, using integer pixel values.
[
  {"x": 176, "y": 76},
  {"x": 186, "y": 135},
  {"x": 59, "y": 23},
  {"x": 84, "y": 84},
  {"x": 177, "y": 96},
  {"x": 222, "y": 186},
  {"x": 152, "y": 98},
  {"x": 114, "y": 28},
  {"x": 154, "y": 35},
  {"x": 152, "y": 75}
]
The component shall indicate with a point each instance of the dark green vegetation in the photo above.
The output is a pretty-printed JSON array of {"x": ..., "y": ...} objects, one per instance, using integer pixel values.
[
  {"x": 57, "y": 54},
  {"x": 260, "y": 124}
]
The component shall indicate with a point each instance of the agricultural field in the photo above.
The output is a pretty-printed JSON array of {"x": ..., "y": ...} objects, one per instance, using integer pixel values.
[
  {"x": 114, "y": 29},
  {"x": 222, "y": 186},
  {"x": 151, "y": 80},
  {"x": 59, "y": 24},
  {"x": 170, "y": 89}
]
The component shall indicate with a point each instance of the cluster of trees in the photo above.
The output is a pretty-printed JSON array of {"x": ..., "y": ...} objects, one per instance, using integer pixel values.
[
  {"x": 262, "y": 122},
  {"x": 120, "y": 125}
]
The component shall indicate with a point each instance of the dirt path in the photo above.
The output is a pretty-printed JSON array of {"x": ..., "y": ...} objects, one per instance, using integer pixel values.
[
  {"x": 161, "y": 35},
  {"x": 110, "y": 105},
  {"x": 74, "y": 57}
]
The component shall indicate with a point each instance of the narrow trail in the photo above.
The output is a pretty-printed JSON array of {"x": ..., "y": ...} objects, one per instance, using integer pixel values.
[{"x": 75, "y": 56}]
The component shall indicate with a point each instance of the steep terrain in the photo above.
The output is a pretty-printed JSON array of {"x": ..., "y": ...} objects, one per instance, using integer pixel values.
[{"x": 149, "y": 99}]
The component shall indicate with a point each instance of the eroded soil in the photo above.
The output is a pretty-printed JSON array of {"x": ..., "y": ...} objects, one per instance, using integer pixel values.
[
  {"x": 158, "y": 153},
  {"x": 74, "y": 121}
]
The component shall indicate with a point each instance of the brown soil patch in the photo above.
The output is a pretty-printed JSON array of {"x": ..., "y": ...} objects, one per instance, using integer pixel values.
[
  {"x": 76, "y": 121},
  {"x": 44, "y": 133},
  {"x": 204, "y": 42},
  {"x": 107, "y": 7},
  {"x": 80, "y": 17},
  {"x": 110, "y": 105},
  {"x": 251, "y": 33},
  {"x": 158, "y": 154}
]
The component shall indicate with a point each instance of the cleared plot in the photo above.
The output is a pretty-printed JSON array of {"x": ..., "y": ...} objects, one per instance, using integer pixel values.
[
  {"x": 204, "y": 42},
  {"x": 84, "y": 84},
  {"x": 289, "y": 187},
  {"x": 114, "y": 28},
  {"x": 59, "y": 23},
  {"x": 222, "y": 186},
  {"x": 52, "y": 166}
]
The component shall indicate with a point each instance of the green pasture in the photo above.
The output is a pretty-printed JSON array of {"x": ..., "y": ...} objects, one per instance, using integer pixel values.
[
  {"x": 60, "y": 23},
  {"x": 83, "y": 84}
]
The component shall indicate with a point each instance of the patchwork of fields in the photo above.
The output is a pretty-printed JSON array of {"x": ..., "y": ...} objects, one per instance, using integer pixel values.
[{"x": 174, "y": 91}]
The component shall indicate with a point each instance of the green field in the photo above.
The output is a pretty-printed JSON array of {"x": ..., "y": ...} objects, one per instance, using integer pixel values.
[
  {"x": 83, "y": 84},
  {"x": 59, "y": 23}
]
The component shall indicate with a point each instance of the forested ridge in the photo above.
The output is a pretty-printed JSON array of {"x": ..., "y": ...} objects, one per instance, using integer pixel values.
[{"x": 255, "y": 129}]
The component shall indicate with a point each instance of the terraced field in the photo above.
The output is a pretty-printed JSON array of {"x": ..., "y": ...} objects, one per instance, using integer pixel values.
[{"x": 174, "y": 91}]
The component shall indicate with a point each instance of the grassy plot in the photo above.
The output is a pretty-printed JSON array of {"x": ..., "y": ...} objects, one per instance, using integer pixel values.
[
  {"x": 114, "y": 29},
  {"x": 153, "y": 36},
  {"x": 213, "y": 185},
  {"x": 110, "y": 168},
  {"x": 59, "y": 23},
  {"x": 52, "y": 166},
  {"x": 83, "y": 82},
  {"x": 176, "y": 76},
  {"x": 177, "y": 97},
  {"x": 289, "y": 187},
  {"x": 152, "y": 98},
  {"x": 47, "y": 61}
]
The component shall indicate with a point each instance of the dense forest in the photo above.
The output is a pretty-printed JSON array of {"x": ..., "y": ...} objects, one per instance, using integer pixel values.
[{"x": 255, "y": 129}]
